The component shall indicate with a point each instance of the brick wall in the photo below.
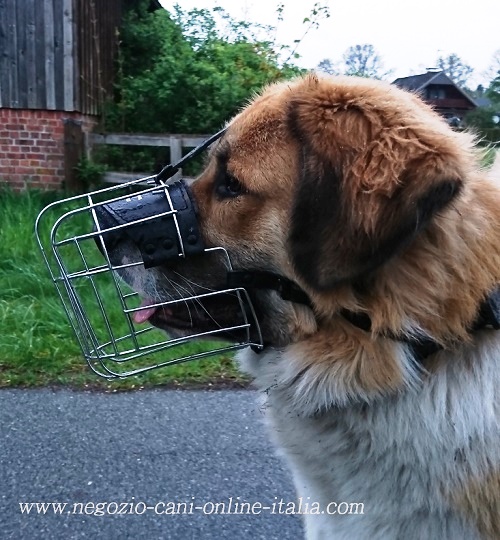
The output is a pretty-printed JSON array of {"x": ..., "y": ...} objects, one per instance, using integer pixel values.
[{"x": 32, "y": 147}]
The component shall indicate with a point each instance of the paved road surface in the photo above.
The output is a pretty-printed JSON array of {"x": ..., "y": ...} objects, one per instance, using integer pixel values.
[{"x": 145, "y": 447}]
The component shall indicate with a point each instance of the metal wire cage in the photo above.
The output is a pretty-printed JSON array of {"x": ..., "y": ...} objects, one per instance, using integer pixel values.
[{"x": 100, "y": 305}]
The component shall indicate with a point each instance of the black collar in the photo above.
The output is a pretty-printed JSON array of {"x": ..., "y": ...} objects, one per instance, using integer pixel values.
[
  {"x": 488, "y": 317},
  {"x": 420, "y": 347},
  {"x": 488, "y": 314},
  {"x": 261, "y": 279}
]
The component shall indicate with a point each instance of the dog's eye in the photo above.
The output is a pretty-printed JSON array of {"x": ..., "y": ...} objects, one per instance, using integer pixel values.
[{"x": 229, "y": 187}]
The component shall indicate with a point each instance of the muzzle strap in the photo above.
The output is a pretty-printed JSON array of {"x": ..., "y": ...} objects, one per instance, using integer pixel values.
[
  {"x": 259, "y": 279},
  {"x": 169, "y": 170}
]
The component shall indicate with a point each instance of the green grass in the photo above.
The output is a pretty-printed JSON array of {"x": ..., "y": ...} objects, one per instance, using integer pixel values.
[{"x": 37, "y": 343}]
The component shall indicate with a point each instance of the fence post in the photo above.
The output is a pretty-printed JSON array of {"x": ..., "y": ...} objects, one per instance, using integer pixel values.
[
  {"x": 176, "y": 154},
  {"x": 73, "y": 152}
]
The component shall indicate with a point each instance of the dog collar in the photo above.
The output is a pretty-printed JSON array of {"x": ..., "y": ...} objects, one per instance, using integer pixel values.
[
  {"x": 488, "y": 314},
  {"x": 488, "y": 317}
]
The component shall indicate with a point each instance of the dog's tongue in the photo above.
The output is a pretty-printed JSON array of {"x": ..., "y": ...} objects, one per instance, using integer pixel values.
[{"x": 144, "y": 312}]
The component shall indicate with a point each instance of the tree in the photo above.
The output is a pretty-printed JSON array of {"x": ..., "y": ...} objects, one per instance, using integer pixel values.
[
  {"x": 493, "y": 91},
  {"x": 318, "y": 12},
  {"x": 359, "y": 60},
  {"x": 493, "y": 70},
  {"x": 484, "y": 120},
  {"x": 456, "y": 69},
  {"x": 327, "y": 66},
  {"x": 185, "y": 72}
]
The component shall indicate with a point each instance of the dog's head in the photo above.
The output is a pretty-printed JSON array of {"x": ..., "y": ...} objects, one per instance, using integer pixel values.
[{"x": 322, "y": 181}]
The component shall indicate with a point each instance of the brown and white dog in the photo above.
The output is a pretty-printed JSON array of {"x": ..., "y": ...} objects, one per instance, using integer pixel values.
[{"x": 364, "y": 197}]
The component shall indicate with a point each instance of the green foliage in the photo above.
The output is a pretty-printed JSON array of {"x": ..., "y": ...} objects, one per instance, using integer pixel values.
[
  {"x": 482, "y": 117},
  {"x": 493, "y": 92},
  {"x": 319, "y": 12},
  {"x": 485, "y": 120},
  {"x": 90, "y": 173},
  {"x": 188, "y": 72}
]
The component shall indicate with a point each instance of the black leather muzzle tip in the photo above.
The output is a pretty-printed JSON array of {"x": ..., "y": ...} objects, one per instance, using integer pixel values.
[
  {"x": 163, "y": 228},
  {"x": 107, "y": 241}
]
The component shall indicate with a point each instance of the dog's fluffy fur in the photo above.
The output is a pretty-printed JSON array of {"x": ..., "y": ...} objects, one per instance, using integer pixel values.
[{"x": 362, "y": 195}]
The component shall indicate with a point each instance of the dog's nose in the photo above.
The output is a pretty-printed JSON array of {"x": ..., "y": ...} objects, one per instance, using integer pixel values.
[{"x": 162, "y": 223}]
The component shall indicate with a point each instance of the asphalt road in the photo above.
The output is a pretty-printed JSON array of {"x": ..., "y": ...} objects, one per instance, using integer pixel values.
[{"x": 135, "y": 450}]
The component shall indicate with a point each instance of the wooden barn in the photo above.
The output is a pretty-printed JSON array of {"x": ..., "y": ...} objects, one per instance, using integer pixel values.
[{"x": 56, "y": 68}]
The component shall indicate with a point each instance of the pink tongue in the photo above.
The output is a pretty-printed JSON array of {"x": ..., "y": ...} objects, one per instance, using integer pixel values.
[{"x": 144, "y": 313}]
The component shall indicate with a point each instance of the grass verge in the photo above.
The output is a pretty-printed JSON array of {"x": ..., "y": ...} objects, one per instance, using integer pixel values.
[{"x": 37, "y": 343}]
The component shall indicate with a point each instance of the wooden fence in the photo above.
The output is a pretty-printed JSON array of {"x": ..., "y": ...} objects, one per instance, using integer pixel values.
[{"x": 175, "y": 142}]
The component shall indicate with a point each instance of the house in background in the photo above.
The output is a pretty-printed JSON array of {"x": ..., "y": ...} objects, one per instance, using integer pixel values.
[
  {"x": 438, "y": 90},
  {"x": 56, "y": 69}
]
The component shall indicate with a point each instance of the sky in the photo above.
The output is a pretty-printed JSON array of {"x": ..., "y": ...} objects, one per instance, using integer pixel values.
[{"x": 408, "y": 36}]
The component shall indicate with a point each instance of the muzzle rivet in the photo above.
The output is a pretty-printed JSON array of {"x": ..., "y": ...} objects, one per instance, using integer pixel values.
[
  {"x": 168, "y": 244},
  {"x": 192, "y": 239},
  {"x": 149, "y": 249}
]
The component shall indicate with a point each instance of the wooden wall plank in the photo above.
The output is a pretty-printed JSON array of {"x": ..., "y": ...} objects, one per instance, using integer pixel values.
[
  {"x": 76, "y": 60},
  {"x": 40, "y": 79},
  {"x": 68, "y": 52},
  {"x": 4, "y": 56},
  {"x": 58, "y": 54},
  {"x": 30, "y": 57},
  {"x": 22, "y": 44},
  {"x": 12, "y": 47},
  {"x": 131, "y": 139},
  {"x": 49, "y": 67}
]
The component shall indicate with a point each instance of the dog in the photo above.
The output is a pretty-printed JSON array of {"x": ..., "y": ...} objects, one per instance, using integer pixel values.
[{"x": 383, "y": 388}]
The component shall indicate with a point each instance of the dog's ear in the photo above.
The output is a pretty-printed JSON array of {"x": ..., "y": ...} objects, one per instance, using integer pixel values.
[{"x": 365, "y": 190}]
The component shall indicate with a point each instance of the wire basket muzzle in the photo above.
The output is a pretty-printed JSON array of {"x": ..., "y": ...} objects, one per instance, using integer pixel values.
[{"x": 79, "y": 237}]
